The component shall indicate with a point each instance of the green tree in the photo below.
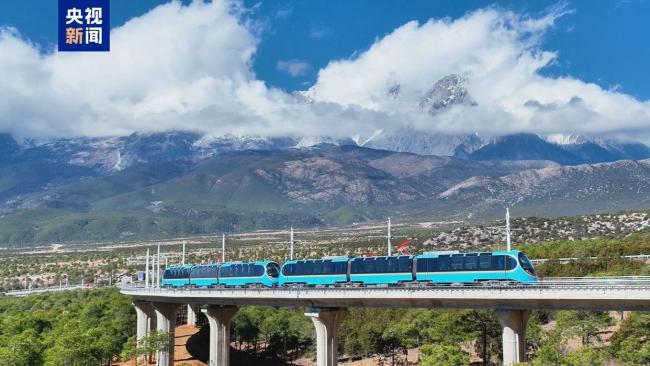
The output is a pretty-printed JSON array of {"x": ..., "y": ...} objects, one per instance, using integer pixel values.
[
  {"x": 24, "y": 349},
  {"x": 552, "y": 349},
  {"x": 584, "y": 356},
  {"x": 443, "y": 355},
  {"x": 286, "y": 333},
  {"x": 631, "y": 343},
  {"x": 484, "y": 326},
  {"x": 583, "y": 324}
]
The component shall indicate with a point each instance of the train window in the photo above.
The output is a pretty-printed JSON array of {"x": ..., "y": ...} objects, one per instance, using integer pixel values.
[
  {"x": 381, "y": 265},
  {"x": 167, "y": 274},
  {"x": 405, "y": 264},
  {"x": 498, "y": 262},
  {"x": 198, "y": 272},
  {"x": 272, "y": 270},
  {"x": 341, "y": 267},
  {"x": 212, "y": 271},
  {"x": 457, "y": 263},
  {"x": 356, "y": 266},
  {"x": 485, "y": 262},
  {"x": 526, "y": 265},
  {"x": 431, "y": 265},
  {"x": 300, "y": 268},
  {"x": 511, "y": 263},
  {"x": 370, "y": 265},
  {"x": 259, "y": 270},
  {"x": 328, "y": 267},
  {"x": 443, "y": 263},
  {"x": 471, "y": 263},
  {"x": 318, "y": 267},
  {"x": 309, "y": 268},
  {"x": 392, "y": 265},
  {"x": 287, "y": 269}
]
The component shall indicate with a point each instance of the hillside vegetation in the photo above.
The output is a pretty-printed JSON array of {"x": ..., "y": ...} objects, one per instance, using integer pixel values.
[{"x": 325, "y": 185}]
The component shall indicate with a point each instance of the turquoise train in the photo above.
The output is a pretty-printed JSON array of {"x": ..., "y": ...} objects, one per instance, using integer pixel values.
[{"x": 427, "y": 268}]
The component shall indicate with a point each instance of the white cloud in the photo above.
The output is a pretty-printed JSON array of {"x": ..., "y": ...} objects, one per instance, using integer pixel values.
[
  {"x": 295, "y": 68},
  {"x": 499, "y": 54},
  {"x": 189, "y": 67}
]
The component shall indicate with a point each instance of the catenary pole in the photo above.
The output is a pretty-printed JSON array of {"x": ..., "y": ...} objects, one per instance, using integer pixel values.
[
  {"x": 183, "y": 257},
  {"x": 223, "y": 248},
  {"x": 146, "y": 271},
  {"x": 158, "y": 267},
  {"x": 390, "y": 251},
  {"x": 291, "y": 244},
  {"x": 508, "y": 242}
]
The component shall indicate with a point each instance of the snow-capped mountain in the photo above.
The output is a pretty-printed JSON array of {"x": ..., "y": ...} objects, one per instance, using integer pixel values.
[
  {"x": 564, "y": 149},
  {"x": 448, "y": 91},
  {"x": 565, "y": 139},
  {"x": 425, "y": 143}
]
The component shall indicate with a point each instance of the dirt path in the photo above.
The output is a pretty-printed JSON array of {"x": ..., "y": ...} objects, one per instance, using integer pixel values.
[{"x": 181, "y": 356}]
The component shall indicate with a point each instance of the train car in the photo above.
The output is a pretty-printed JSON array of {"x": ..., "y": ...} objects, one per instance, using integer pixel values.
[
  {"x": 381, "y": 270},
  {"x": 176, "y": 276},
  {"x": 204, "y": 275},
  {"x": 474, "y": 267},
  {"x": 315, "y": 272},
  {"x": 263, "y": 273}
]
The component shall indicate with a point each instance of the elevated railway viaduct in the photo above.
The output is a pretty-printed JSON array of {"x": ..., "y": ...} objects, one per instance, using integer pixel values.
[{"x": 157, "y": 307}]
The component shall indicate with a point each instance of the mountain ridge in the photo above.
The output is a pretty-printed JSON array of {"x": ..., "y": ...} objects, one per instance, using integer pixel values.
[{"x": 316, "y": 186}]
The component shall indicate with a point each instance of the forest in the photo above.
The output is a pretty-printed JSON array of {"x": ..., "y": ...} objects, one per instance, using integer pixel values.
[{"x": 97, "y": 327}]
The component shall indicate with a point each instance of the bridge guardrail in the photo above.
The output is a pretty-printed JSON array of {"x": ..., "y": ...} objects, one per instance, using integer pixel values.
[{"x": 632, "y": 282}]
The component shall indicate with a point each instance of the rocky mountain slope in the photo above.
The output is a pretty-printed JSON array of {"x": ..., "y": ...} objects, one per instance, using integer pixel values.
[
  {"x": 325, "y": 184},
  {"x": 607, "y": 187}
]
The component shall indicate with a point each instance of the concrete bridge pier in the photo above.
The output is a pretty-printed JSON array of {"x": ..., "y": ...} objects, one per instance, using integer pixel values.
[
  {"x": 143, "y": 312},
  {"x": 219, "y": 318},
  {"x": 514, "y": 335},
  {"x": 327, "y": 322},
  {"x": 192, "y": 314},
  {"x": 166, "y": 322}
]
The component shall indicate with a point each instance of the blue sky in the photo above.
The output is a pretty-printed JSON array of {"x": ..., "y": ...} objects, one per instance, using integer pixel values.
[
  {"x": 363, "y": 69},
  {"x": 604, "y": 42}
]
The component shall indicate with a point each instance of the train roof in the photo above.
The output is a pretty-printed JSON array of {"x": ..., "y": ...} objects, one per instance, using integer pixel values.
[
  {"x": 177, "y": 266},
  {"x": 384, "y": 256},
  {"x": 261, "y": 263},
  {"x": 437, "y": 254},
  {"x": 331, "y": 259}
]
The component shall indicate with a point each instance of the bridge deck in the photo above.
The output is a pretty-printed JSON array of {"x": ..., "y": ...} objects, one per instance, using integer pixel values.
[{"x": 619, "y": 293}]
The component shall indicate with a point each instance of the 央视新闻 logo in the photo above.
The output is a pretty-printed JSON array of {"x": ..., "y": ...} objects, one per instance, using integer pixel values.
[{"x": 84, "y": 25}]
